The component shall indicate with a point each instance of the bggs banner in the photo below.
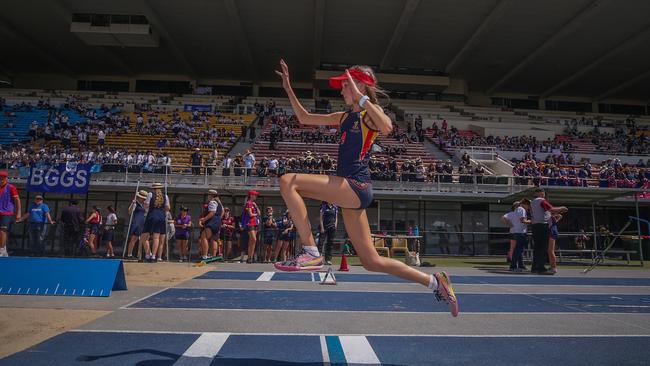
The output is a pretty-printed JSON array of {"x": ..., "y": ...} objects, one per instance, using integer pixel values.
[{"x": 61, "y": 178}]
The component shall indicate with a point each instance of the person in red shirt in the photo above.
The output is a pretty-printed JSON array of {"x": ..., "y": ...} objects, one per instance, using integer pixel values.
[
  {"x": 10, "y": 210},
  {"x": 251, "y": 214},
  {"x": 227, "y": 231},
  {"x": 95, "y": 221}
]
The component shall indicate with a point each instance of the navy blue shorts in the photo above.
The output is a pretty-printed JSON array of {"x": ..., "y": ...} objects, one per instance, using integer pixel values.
[
  {"x": 154, "y": 226},
  {"x": 268, "y": 240},
  {"x": 136, "y": 229},
  {"x": 363, "y": 191},
  {"x": 6, "y": 221},
  {"x": 108, "y": 235},
  {"x": 215, "y": 233},
  {"x": 213, "y": 225},
  {"x": 94, "y": 229},
  {"x": 182, "y": 236},
  {"x": 554, "y": 233}
]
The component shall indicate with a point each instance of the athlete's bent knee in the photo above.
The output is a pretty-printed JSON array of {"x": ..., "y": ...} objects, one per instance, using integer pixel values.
[
  {"x": 373, "y": 265},
  {"x": 286, "y": 181}
]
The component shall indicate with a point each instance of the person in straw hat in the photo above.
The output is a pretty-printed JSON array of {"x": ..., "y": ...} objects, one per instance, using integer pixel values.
[
  {"x": 137, "y": 211},
  {"x": 210, "y": 221}
]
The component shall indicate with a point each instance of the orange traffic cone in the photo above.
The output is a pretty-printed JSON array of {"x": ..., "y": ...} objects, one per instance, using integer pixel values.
[{"x": 344, "y": 263}]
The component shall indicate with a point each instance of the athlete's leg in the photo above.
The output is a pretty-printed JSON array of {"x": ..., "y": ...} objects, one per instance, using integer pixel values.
[
  {"x": 513, "y": 243},
  {"x": 358, "y": 229},
  {"x": 278, "y": 247},
  {"x": 155, "y": 240},
  {"x": 144, "y": 239},
  {"x": 252, "y": 241},
  {"x": 552, "y": 259},
  {"x": 296, "y": 187}
]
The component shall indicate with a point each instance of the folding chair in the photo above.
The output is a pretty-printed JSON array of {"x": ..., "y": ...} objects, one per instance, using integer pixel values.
[
  {"x": 399, "y": 245},
  {"x": 380, "y": 247}
]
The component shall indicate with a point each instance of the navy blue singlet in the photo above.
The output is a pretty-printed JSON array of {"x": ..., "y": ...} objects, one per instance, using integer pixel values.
[{"x": 353, "y": 156}]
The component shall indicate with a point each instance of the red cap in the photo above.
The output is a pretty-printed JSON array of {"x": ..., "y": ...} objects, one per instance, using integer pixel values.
[
  {"x": 253, "y": 192},
  {"x": 336, "y": 82},
  {"x": 3, "y": 173}
]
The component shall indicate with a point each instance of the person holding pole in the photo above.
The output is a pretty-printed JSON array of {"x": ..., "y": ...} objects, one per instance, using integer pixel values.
[{"x": 137, "y": 211}]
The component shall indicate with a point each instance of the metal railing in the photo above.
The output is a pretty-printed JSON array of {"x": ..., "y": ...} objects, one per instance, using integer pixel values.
[
  {"x": 437, "y": 242},
  {"x": 216, "y": 175}
]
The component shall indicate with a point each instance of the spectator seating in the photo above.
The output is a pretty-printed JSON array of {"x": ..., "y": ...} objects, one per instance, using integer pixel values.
[
  {"x": 179, "y": 155},
  {"x": 20, "y": 121}
]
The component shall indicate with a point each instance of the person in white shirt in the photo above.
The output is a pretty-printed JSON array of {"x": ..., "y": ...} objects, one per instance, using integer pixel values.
[
  {"x": 517, "y": 221},
  {"x": 101, "y": 136},
  {"x": 83, "y": 138},
  {"x": 227, "y": 162},
  {"x": 249, "y": 162},
  {"x": 273, "y": 166},
  {"x": 109, "y": 231}
]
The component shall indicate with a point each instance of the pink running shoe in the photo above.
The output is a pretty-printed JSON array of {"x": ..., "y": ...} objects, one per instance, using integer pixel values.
[
  {"x": 302, "y": 262},
  {"x": 445, "y": 292}
]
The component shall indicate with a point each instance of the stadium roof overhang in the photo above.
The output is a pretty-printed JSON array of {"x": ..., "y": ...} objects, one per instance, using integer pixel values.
[{"x": 577, "y": 195}]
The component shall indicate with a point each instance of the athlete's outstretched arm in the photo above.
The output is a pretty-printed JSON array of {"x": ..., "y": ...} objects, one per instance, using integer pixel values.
[{"x": 305, "y": 117}]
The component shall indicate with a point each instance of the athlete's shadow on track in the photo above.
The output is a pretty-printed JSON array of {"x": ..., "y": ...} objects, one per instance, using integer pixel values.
[{"x": 173, "y": 357}]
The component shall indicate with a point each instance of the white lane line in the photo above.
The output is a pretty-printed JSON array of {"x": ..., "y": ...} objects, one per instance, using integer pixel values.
[
  {"x": 590, "y": 335},
  {"x": 265, "y": 276},
  {"x": 497, "y": 313},
  {"x": 203, "y": 350},
  {"x": 357, "y": 350},
  {"x": 423, "y": 290},
  {"x": 207, "y": 345},
  {"x": 324, "y": 350},
  {"x": 144, "y": 298}
]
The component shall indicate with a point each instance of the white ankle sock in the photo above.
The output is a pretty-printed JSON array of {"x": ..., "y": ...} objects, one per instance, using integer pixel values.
[
  {"x": 433, "y": 283},
  {"x": 312, "y": 250}
]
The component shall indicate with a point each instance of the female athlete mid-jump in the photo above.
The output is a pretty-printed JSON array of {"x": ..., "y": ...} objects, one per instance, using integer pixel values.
[{"x": 350, "y": 188}]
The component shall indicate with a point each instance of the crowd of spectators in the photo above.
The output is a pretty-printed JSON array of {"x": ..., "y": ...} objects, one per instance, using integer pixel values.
[
  {"x": 627, "y": 138},
  {"x": 611, "y": 173},
  {"x": 16, "y": 157},
  {"x": 97, "y": 124}
]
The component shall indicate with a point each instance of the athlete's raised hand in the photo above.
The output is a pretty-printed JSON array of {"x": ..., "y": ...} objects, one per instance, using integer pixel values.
[
  {"x": 284, "y": 74},
  {"x": 352, "y": 88}
]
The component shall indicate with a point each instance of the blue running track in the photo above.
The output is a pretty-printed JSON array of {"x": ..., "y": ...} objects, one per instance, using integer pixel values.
[
  {"x": 464, "y": 280},
  {"x": 421, "y": 302},
  {"x": 162, "y": 349}
]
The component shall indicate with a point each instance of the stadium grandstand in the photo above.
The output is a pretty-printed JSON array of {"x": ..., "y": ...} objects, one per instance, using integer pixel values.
[{"x": 490, "y": 102}]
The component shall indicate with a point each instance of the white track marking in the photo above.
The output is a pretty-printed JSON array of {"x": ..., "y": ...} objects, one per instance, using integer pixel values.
[
  {"x": 358, "y": 350},
  {"x": 265, "y": 276},
  {"x": 203, "y": 350}
]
